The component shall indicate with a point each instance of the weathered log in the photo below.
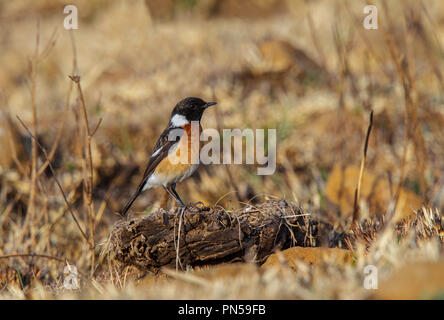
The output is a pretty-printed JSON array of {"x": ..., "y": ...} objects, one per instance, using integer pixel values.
[{"x": 211, "y": 235}]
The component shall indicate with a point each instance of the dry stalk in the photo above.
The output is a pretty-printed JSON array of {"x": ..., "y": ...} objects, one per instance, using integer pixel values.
[
  {"x": 15, "y": 255},
  {"x": 33, "y": 65},
  {"x": 401, "y": 62},
  {"x": 57, "y": 181},
  {"x": 89, "y": 172},
  {"x": 59, "y": 133},
  {"x": 30, "y": 212},
  {"x": 87, "y": 159},
  {"x": 361, "y": 172},
  {"x": 178, "y": 262}
]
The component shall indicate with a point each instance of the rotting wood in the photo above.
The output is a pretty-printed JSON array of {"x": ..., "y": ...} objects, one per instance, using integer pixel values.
[{"x": 213, "y": 235}]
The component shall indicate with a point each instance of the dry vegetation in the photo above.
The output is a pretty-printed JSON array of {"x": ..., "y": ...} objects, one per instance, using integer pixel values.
[{"x": 71, "y": 148}]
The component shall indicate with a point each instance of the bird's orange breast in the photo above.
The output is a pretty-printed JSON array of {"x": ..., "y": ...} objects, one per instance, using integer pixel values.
[{"x": 176, "y": 166}]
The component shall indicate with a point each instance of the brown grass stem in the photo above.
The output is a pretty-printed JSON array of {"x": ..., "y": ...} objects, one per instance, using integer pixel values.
[
  {"x": 57, "y": 181},
  {"x": 361, "y": 172}
]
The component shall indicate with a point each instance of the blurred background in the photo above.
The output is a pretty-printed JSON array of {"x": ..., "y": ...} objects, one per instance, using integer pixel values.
[{"x": 307, "y": 68}]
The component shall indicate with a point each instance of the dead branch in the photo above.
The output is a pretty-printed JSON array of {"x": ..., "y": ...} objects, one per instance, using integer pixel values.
[{"x": 211, "y": 235}]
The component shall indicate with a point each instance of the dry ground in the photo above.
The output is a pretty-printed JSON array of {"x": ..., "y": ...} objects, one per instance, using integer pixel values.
[{"x": 308, "y": 69}]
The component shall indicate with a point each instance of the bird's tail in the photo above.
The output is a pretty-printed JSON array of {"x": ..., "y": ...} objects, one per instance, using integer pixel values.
[{"x": 129, "y": 203}]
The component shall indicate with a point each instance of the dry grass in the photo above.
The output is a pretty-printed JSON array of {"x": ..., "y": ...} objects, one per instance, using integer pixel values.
[{"x": 57, "y": 201}]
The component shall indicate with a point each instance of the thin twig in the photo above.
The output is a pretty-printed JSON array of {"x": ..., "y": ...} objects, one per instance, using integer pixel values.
[
  {"x": 56, "y": 180},
  {"x": 59, "y": 132},
  {"x": 89, "y": 167},
  {"x": 30, "y": 212},
  {"x": 178, "y": 262},
  {"x": 15, "y": 255},
  {"x": 97, "y": 127}
]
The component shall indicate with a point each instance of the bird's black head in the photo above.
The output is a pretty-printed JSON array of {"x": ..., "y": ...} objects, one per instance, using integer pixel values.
[{"x": 190, "y": 109}]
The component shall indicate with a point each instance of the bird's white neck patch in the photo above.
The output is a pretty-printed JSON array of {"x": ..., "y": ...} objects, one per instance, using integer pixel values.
[{"x": 179, "y": 120}]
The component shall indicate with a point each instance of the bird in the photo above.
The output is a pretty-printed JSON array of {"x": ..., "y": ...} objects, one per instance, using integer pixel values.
[{"x": 160, "y": 170}]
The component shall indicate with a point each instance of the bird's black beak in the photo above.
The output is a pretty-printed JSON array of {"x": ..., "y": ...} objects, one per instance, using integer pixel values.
[{"x": 209, "y": 104}]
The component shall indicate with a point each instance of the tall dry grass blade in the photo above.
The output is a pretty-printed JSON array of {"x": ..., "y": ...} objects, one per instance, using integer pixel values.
[
  {"x": 33, "y": 65},
  {"x": 361, "y": 172},
  {"x": 402, "y": 60},
  {"x": 30, "y": 212}
]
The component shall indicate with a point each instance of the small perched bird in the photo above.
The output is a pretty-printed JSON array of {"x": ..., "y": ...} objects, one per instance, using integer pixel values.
[{"x": 161, "y": 171}]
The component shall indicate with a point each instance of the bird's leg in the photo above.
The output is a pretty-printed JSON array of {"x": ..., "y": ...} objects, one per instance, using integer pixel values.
[
  {"x": 171, "y": 194},
  {"x": 173, "y": 188},
  {"x": 174, "y": 195}
]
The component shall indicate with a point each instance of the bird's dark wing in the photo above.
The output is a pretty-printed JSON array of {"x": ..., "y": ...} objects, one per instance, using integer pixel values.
[
  {"x": 161, "y": 148},
  {"x": 160, "y": 152}
]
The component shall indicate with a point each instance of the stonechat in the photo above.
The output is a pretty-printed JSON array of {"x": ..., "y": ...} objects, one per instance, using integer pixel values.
[{"x": 161, "y": 171}]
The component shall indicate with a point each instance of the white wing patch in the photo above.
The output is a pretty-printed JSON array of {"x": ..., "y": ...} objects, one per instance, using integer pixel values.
[{"x": 156, "y": 152}]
